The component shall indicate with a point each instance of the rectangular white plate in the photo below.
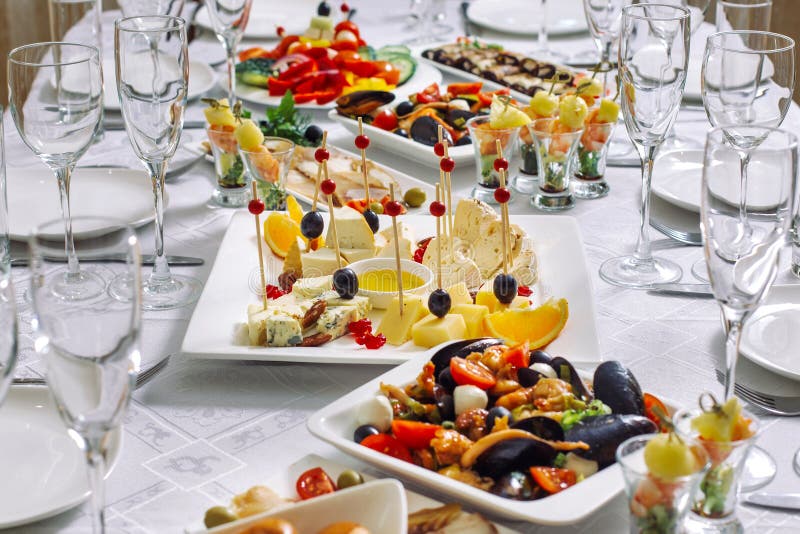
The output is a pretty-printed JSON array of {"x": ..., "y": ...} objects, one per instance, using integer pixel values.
[
  {"x": 336, "y": 422},
  {"x": 215, "y": 330}
]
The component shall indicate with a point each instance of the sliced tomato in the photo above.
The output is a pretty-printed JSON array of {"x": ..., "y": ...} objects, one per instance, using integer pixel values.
[
  {"x": 466, "y": 88},
  {"x": 553, "y": 479},
  {"x": 388, "y": 445},
  {"x": 467, "y": 372},
  {"x": 653, "y": 408},
  {"x": 347, "y": 25},
  {"x": 250, "y": 53},
  {"x": 518, "y": 356},
  {"x": 387, "y": 71},
  {"x": 414, "y": 434},
  {"x": 361, "y": 68},
  {"x": 313, "y": 483},
  {"x": 385, "y": 120},
  {"x": 429, "y": 94},
  {"x": 344, "y": 44},
  {"x": 485, "y": 98}
]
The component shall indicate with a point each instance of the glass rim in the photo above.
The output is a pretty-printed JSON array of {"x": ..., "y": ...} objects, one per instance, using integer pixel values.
[
  {"x": 713, "y": 41},
  {"x": 685, "y": 412},
  {"x": 94, "y": 53},
  {"x": 681, "y": 12},
  {"x": 176, "y": 23},
  {"x": 290, "y": 148},
  {"x": 644, "y": 438},
  {"x": 531, "y": 127},
  {"x": 743, "y": 5},
  {"x": 722, "y": 129},
  {"x": 481, "y": 118}
]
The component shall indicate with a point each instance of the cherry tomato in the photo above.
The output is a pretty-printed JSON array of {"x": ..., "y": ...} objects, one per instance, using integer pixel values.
[
  {"x": 388, "y": 445},
  {"x": 653, "y": 407},
  {"x": 466, "y": 372},
  {"x": 519, "y": 355},
  {"x": 344, "y": 45},
  {"x": 467, "y": 88},
  {"x": 344, "y": 56},
  {"x": 414, "y": 434},
  {"x": 313, "y": 483},
  {"x": 553, "y": 479},
  {"x": 385, "y": 120},
  {"x": 347, "y": 25},
  {"x": 429, "y": 94}
]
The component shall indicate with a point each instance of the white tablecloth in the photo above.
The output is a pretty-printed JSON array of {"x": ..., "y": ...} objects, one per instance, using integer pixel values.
[{"x": 204, "y": 430}]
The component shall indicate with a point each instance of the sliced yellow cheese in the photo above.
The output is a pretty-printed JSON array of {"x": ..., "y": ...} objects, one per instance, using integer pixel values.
[
  {"x": 351, "y": 229},
  {"x": 433, "y": 330},
  {"x": 485, "y": 297},
  {"x": 397, "y": 327},
  {"x": 473, "y": 315},
  {"x": 353, "y": 255},
  {"x": 459, "y": 294},
  {"x": 320, "y": 262}
]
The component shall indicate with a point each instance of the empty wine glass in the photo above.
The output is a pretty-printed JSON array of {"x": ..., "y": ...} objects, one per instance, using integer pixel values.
[
  {"x": 743, "y": 15},
  {"x": 542, "y": 49},
  {"x": 152, "y": 81},
  {"x": 56, "y": 99},
  {"x": 747, "y": 79},
  {"x": 229, "y": 19},
  {"x": 90, "y": 347},
  {"x": 8, "y": 312},
  {"x": 604, "y": 18},
  {"x": 138, "y": 8},
  {"x": 653, "y": 58},
  {"x": 697, "y": 10}
]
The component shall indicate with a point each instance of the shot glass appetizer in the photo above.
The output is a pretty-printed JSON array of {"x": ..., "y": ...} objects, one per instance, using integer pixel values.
[
  {"x": 233, "y": 183},
  {"x": 662, "y": 473},
  {"x": 267, "y": 161},
  {"x": 590, "y": 165},
  {"x": 543, "y": 105}
]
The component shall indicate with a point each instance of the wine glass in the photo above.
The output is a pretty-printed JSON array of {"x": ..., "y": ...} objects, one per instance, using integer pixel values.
[
  {"x": 229, "y": 19},
  {"x": 604, "y": 18},
  {"x": 152, "y": 80},
  {"x": 137, "y": 8},
  {"x": 697, "y": 10},
  {"x": 90, "y": 347},
  {"x": 747, "y": 79},
  {"x": 653, "y": 58},
  {"x": 543, "y": 50},
  {"x": 743, "y": 15},
  {"x": 56, "y": 100},
  {"x": 8, "y": 313}
]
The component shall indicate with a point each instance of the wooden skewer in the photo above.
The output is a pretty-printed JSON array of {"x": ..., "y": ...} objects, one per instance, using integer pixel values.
[
  {"x": 439, "y": 240},
  {"x": 397, "y": 254},
  {"x": 448, "y": 194},
  {"x": 319, "y": 173},
  {"x": 364, "y": 162},
  {"x": 260, "y": 253},
  {"x": 504, "y": 213},
  {"x": 333, "y": 224}
]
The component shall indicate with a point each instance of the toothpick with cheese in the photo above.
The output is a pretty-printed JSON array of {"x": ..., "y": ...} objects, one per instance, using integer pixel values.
[
  {"x": 362, "y": 142},
  {"x": 505, "y": 285}
]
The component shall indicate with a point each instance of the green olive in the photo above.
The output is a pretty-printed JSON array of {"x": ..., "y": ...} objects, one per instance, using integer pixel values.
[
  {"x": 376, "y": 207},
  {"x": 349, "y": 478},
  {"x": 218, "y": 515},
  {"x": 415, "y": 197}
]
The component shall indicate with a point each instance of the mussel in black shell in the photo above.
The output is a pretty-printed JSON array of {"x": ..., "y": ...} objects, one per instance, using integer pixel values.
[
  {"x": 515, "y": 454},
  {"x": 567, "y": 372},
  {"x": 457, "y": 118},
  {"x": 441, "y": 359},
  {"x": 616, "y": 386},
  {"x": 544, "y": 427},
  {"x": 604, "y": 433},
  {"x": 425, "y": 130},
  {"x": 360, "y": 103}
]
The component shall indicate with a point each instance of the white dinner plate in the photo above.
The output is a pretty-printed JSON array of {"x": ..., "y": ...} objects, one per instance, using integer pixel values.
[
  {"x": 422, "y": 78},
  {"x": 201, "y": 79},
  {"x": 771, "y": 337},
  {"x": 122, "y": 194},
  {"x": 284, "y": 485},
  {"x": 267, "y": 15},
  {"x": 522, "y": 17},
  {"x": 336, "y": 422},
  {"x": 462, "y": 155},
  {"x": 217, "y": 328},
  {"x": 43, "y": 469},
  {"x": 678, "y": 179}
]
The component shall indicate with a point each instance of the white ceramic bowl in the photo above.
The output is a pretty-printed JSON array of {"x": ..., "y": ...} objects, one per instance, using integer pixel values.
[{"x": 382, "y": 299}]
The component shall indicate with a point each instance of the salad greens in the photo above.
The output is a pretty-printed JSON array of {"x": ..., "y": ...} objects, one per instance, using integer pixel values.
[
  {"x": 575, "y": 415},
  {"x": 285, "y": 121}
]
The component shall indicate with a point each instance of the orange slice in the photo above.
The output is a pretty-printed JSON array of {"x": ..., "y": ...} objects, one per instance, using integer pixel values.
[
  {"x": 280, "y": 231},
  {"x": 538, "y": 326},
  {"x": 294, "y": 209}
]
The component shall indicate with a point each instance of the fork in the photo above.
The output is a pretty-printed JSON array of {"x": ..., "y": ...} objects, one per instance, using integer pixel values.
[
  {"x": 141, "y": 379},
  {"x": 775, "y": 404},
  {"x": 688, "y": 238}
]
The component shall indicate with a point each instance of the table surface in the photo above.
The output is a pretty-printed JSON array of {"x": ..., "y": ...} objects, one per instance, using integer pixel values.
[{"x": 204, "y": 430}]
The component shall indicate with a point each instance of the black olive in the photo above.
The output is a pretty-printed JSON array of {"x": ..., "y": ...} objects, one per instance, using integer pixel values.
[
  {"x": 446, "y": 405},
  {"x": 324, "y": 9},
  {"x": 401, "y": 132},
  {"x": 505, "y": 288},
  {"x": 311, "y": 225},
  {"x": 345, "y": 282},
  {"x": 363, "y": 432},
  {"x": 313, "y": 134},
  {"x": 372, "y": 220},
  {"x": 516, "y": 485},
  {"x": 495, "y": 413},
  {"x": 439, "y": 302},
  {"x": 404, "y": 108},
  {"x": 464, "y": 140},
  {"x": 445, "y": 380},
  {"x": 540, "y": 356}
]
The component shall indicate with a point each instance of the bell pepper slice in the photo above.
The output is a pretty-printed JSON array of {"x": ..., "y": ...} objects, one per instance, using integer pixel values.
[
  {"x": 362, "y": 69},
  {"x": 250, "y": 53},
  {"x": 466, "y": 88},
  {"x": 278, "y": 87},
  {"x": 298, "y": 69}
]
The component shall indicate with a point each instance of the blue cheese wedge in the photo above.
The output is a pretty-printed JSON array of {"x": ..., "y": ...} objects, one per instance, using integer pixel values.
[
  {"x": 283, "y": 331},
  {"x": 334, "y": 320},
  {"x": 360, "y": 303},
  {"x": 312, "y": 287}
]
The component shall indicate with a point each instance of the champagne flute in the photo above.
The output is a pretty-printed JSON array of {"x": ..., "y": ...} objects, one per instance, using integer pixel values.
[
  {"x": 152, "y": 80},
  {"x": 56, "y": 100},
  {"x": 229, "y": 18},
  {"x": 653, "y": 59},
  {"x": 604, "y": 18},
  {"x": 137, "y": 8},
  {"x": 543, "y": 50},
  {"x": 747, "y": 79},
  {"x": 90, "y": 347}
]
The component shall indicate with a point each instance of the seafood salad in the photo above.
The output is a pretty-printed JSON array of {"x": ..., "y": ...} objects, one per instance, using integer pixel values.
[{"x": 517, "y": 423}]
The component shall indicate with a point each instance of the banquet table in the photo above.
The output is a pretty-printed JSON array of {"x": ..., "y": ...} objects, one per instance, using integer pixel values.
[{"x": 204, "y": 430}]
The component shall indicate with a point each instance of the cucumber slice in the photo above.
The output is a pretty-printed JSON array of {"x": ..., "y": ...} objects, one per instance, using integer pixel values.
[
  {"x": 405, "y": 64},
  {"x": 366, "y": 52},
  {"x": 395, "y": 49}
]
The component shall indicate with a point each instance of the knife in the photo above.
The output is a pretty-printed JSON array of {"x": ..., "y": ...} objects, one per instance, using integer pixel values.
[
  {"x": 116, "y": 125},
  {"x": 785, "y": 501},
  {"x": 147, "y": 259},
  {"x": 694, "y": 290}
]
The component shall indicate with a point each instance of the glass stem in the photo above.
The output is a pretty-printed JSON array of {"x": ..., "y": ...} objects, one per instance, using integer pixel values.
[
  {"x": 160, "y": 267},
  {"x": 63, "y": 175},
  {"x": 744, "y": 162},
  {"x": 733, "y": 327},
  {"x": 542, "y": 37},
  {"x": 605, "y": 60},
  {"x": 96, "y": 463},
  {"x": 230, "y": 52},
  {"x": 643, "y": 253}
]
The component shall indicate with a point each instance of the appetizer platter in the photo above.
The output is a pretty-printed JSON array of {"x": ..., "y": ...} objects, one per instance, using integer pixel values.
[
  {"x": 542, "y": 453},
  {"x": 292, "y": 488}
]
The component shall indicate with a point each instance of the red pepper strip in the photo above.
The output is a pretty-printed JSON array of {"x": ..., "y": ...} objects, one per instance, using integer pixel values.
[
  {"x": 296, "y": 70},
  {"x": 278, "y": 87},
  {"x": 316, "y": 52},
  {"x": 250, "y": 53},
  {"x": 344, "y": 45}
]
